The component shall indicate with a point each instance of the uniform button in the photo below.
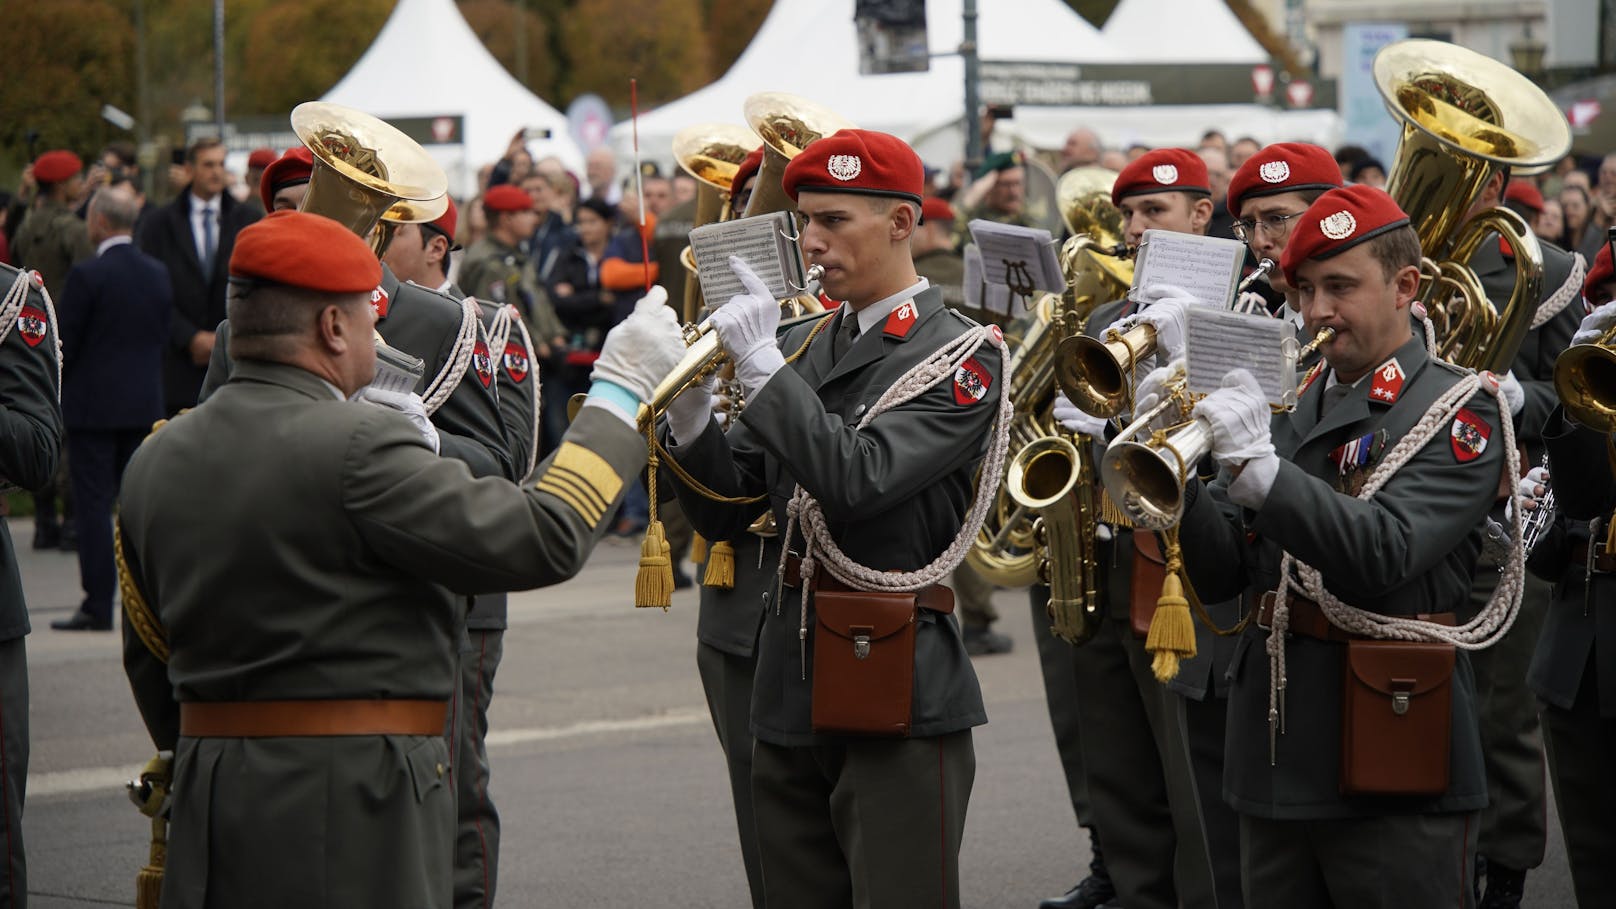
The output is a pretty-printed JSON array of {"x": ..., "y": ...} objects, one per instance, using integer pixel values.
[
  {"x": 858, "y": 411},
  {"x": 439, "y": 768}
]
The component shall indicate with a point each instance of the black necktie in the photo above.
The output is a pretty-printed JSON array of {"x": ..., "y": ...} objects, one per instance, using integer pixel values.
[
  {"x": 1334, "y": 395},
  {"x": 846, "y": 335},
  {"x": 210, "y": 241}
]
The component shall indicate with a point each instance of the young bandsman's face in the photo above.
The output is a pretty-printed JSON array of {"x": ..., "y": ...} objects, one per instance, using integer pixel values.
[
  {"x": 1271, "y": 219},
  {"x": 850, "y": 236},
  {"x": 1172, "y": 211},
  {"x": 1350, "y": 293}
]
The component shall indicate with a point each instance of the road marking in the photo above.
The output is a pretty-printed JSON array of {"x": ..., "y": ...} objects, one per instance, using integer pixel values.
[{"x": 112, "y": 779}]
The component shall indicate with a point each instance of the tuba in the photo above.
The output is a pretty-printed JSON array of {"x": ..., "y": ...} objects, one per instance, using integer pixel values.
[
  {"x": 712, "y": 153},
  {"x": 1042, "y": 525},
  {"x": 787, "y": 124},
  {"x": 1466, "y": 118},
  {"x": 366, "y": 171}
]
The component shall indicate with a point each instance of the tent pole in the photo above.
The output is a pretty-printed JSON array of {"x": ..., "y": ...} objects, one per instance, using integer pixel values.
[{"x": 973, "y": 104}]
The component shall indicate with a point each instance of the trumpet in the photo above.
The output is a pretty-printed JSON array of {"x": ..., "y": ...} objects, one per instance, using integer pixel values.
[
  {"x": 1097, "y": 373},
  {"x": 1146, "y": 478}
]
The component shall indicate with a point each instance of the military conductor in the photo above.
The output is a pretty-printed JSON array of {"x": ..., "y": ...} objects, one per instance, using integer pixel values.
[
  {"x": 298, "y": 556},
  {"x": 861, "y": 810}
]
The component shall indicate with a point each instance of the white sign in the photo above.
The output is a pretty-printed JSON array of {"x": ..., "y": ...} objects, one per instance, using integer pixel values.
[{"x": 1367, "y": 121}]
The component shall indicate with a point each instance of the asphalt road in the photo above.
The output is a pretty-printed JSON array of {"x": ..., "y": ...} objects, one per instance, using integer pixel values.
[{"x": 606, "y": 770}]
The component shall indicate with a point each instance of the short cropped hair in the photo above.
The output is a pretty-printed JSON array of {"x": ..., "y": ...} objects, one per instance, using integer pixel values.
[{"x": 1396, "y": 250}]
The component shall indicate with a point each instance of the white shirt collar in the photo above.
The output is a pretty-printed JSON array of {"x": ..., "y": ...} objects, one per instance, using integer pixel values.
[
  {"x": 877, "y": 312},
  {"x": 110, "y": 242},
  {"x": 444, "y": 287},
  {"x": 198, "y": 205}
]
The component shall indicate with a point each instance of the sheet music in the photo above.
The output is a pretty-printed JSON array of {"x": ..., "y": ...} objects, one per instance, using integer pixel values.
[
  {"x": 1207, "y": 267},
  {"x": 1217, "y": 340},
  {"x": 1028, "y": 252},
  {"x": 761, "y": 241}
]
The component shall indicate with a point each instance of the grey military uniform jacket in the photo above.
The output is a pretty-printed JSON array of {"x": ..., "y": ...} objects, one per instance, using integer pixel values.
[
  {"x": 894, "y": 495},
  {"x": 51, "y": 240},
  {"x": 1580, "y": 624},
  {"x": 1409, "y": 550},
  {"x": 423, "y": 323},
  {"x": 30, "y": 429},
  {"x": 298, "y": 546}
]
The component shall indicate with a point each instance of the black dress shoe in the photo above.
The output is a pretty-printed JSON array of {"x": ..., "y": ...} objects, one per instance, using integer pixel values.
[
  {"x": 1090, "y": 893},
  {"x": 981, "y": 640},
  {"x": 682, "y": 579},
  {"x": 82, "y": 621},
  {"x": 1505, "y": 888}
]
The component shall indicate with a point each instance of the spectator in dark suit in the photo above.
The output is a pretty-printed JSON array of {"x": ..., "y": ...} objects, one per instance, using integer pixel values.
[
  {"x": 193, "y": 236},
  {"x": 114, "y": 319}
]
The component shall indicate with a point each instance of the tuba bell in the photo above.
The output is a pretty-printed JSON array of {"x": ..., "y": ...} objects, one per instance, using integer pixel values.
[
  {"x": 712, "y": 153},
  {"x": 363, "y": 168},
  {"x": 787, "y": 124},
  {"x": 1466, "y": 118}
]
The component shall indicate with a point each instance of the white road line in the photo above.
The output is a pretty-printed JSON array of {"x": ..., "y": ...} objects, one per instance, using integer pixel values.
[{"x": 112, "y": 779}]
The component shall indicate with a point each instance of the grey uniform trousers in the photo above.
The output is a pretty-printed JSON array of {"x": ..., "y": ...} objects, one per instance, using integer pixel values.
[
  {"x": 476, "y": 859},
  {"x": 727, "y": 681},
  {"x": 13, "y": 768}
]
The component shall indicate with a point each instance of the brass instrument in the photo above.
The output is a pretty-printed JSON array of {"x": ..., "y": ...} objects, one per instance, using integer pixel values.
[
  {"x": 1585, "y": 380},
  {"x": 712, "y": 153},
  {"x": 363, "y": 168},
  {"x": 1146, "y": 478},
  {"x": 1016, "y": 545},
  {"x": 787, "y": 125},
  {"x": 1467, "y": 118}
]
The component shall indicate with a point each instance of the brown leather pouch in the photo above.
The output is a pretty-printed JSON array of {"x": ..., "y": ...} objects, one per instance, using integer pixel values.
[
  {"x": 1149, "y": 571},
  {"x": 1396, "y": 719},
  {"x": 864, "y": 662}
]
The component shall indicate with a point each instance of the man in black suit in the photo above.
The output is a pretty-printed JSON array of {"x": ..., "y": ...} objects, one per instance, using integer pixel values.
[
  {"x": 114, "y": 323},
  {"x": 193, "y": 236}
]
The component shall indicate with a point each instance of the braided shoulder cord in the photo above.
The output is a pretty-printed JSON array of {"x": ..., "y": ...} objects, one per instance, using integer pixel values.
[
  {"x": 448, "y": 379},
  {"x": 805, "y": 510},
  {"x": 1570, "y": 290},
  {"x": 1488, "y": 626},
  {"x": 136, "y": 612}
]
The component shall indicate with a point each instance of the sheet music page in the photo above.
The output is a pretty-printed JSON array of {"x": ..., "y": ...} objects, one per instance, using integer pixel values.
[
  {"x": 1028, "y": 251},
  {"x": 1217, "y": 340},
  {"x": 758, "y": 241},
  {"x": 1207, "y": 267}
]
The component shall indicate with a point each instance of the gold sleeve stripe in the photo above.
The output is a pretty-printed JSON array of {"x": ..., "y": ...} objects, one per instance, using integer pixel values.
[
  {"x": 588, "y": 469},
  {"x": 567, "y": 489},
  {"x": 579, "y": 487}
]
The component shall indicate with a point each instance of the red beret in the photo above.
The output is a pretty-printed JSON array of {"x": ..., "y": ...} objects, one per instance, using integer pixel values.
[
  {"x": 506, "y": 197},
  {"x": 857, "y": 161},
  {"x": 445, "y": 223},
  {"x": 1524, "y": 194},
  {"x": 937, "y": 209},
  {"x": 289, "y": 169},
  {"x": 56, "y": 166},
  {"x": 748, "y": 169},
  {"x": 1284, "y": 167},
  {"x": 1160, "y": 171},
  {"x": 1339, "y": 220},
  {"x": 260, "y": 158},
  {"x": 1600, "y": 273},
  {"x": 304, "y": 250}
]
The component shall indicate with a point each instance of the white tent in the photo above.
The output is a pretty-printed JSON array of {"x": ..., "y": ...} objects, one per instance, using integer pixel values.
[
  {"x": 1180, "y": 31},
  {"x": 810, "y": 48},
  {"x": 427, "y": 62}
]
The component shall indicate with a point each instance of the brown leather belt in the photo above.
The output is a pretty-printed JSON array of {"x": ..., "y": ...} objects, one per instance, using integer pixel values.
[
  {"x": 276, "y": 719},
  {"x": 1308, "y": 620},
  {"x": 1604, "y": 562},
  {"x": 937, "y": 597}
]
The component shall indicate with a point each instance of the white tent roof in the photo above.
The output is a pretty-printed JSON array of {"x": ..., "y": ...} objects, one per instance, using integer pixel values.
[
  {"x": 428, "y": 62},
  {"x": 1181, "y": 31},
  {"x": 810, "y": 48}
]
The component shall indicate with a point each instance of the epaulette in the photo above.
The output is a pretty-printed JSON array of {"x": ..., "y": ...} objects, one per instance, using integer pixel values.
[{"x": 969, "y": 322}]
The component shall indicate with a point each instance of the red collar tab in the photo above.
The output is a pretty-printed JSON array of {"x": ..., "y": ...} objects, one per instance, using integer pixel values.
[
  {"x": 379, "y": 302},
  {"x": 1388, "y": 384},
  {"x": 902, "y": 320}
]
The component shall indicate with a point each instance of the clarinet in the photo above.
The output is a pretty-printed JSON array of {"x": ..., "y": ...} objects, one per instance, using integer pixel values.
[{"x": 1540, "y": 518}]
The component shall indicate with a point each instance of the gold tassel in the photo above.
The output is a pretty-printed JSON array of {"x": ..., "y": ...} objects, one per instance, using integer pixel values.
[
  {"x": 149, "y": 880},
  {"x": 1172, "y": 629},
  {"x": 653, "y": 586},
  {"x": 720, "y": 566},
  {"x": 698, "y": 548}
]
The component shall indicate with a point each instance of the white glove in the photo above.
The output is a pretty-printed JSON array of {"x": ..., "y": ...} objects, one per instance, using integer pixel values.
[
  {"x": 1532, "y": 487},
  {"x": 1238, "y": 415},
  {"x": 1595, "y": 324},
  {"x": 642, "y": 349},
  {"x": 407, "y": 403},
  {"x": 746, "y": 326},
  {"x": 691, "y": 411},
  {"x": 1251, "y": 303},
  {"x": 1166, "y": 308},
  {"x": 1073, "y": 419},
  {"x": 1149, "y": 393},
  {"x": 1514, "y": 394}
]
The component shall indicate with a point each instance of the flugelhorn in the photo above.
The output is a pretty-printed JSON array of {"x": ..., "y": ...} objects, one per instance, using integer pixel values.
[
  {"x": 363, "y": 168},
  {"x": 1146, "y": 478},
  {"x": 1466, "y": 118}
]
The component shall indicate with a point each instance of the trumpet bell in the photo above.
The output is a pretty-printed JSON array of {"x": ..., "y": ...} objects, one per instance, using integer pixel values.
[
  {"x": 1146, "y": 479},
  {"x": 362, "y": 166},
  {"x": 1585, "y": 380},
  {"x": 1096, "y": 374}
]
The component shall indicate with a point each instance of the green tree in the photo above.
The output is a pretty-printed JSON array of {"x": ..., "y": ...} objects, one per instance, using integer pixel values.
[
  {"x": 296, "y": 51},
  {"x": 62, "y": 61},
  {"x": 731, "y": 25},
  {"x": 609, "y": 41},
  {"x": 497, "y": 23}
]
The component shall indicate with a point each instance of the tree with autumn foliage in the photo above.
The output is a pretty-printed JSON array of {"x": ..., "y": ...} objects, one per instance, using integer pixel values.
[{"x": 662, "y": 45}]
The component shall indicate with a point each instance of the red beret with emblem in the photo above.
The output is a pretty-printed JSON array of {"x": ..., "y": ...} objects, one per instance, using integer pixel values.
[
  {"x": 260, "y": 158},
  {"x": 857, "y": 161},
  {"x": 56, "y": 166},
  {"x": 305, "y": 250},
  {"x": 506, "y": 197},
  {"x": 1164, "y": 170},
  {"x": 289, "y": 169},
  {"x": 446, "y": 222},
  {"x": 1600, "y": 273},
  {"x": 937, "y": 210},
  {"x": 1284, "y": 167},
  {"x": 749, "y": 168},
  {"x": 1524, "y": 194},
  {"x": 1337, "y": 221}
]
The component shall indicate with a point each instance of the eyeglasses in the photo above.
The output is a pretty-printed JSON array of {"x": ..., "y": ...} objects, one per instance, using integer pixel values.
[{"x": 1275, "y": 226}]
